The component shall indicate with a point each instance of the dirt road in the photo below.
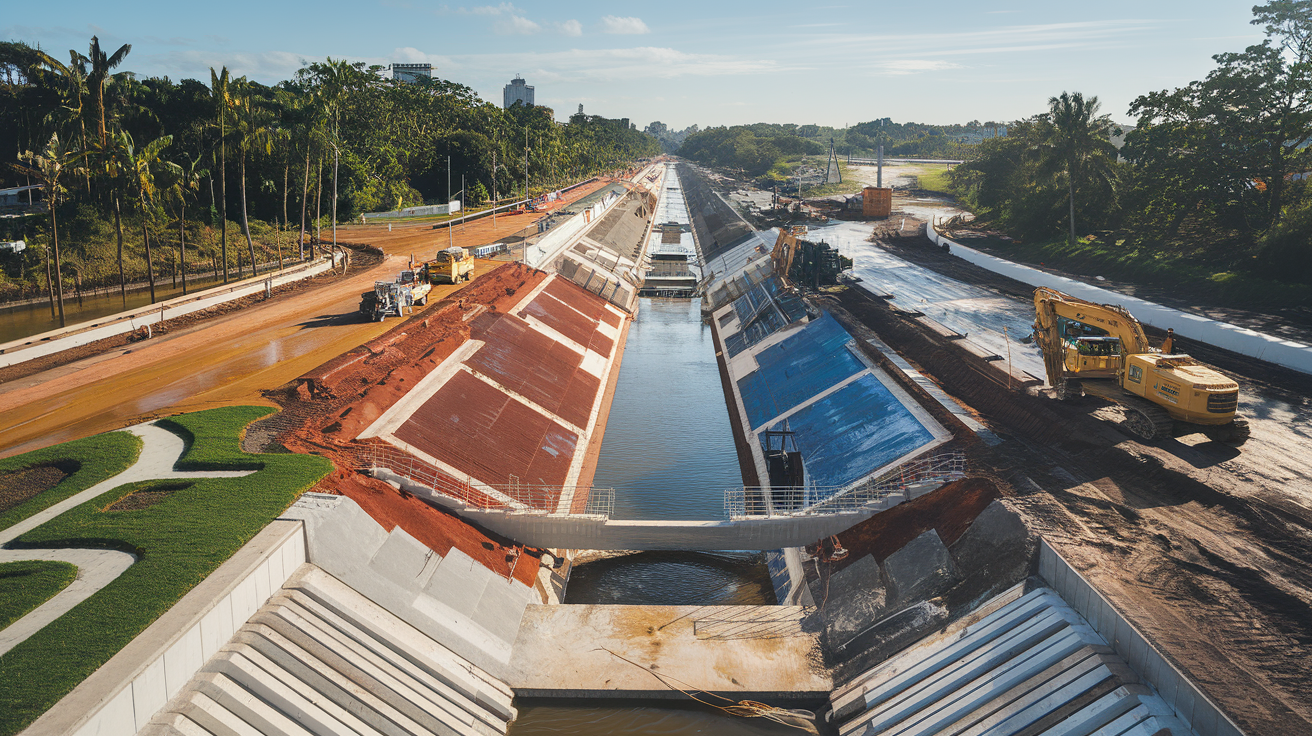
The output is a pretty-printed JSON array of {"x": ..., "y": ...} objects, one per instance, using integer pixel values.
[{"x": 235, "y": 357}]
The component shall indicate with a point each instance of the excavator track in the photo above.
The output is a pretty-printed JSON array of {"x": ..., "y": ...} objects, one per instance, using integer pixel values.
[
  {"x": 1234, "y": 434},
  {"x": 1145, "y": 420}
]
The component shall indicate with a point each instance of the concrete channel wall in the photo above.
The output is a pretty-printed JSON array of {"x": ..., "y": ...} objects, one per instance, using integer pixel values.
[
  {"x": 1179, "y": 692},
  {"x": 1271, "y": 348},
  {"x": 121, "y": 697},
  {"x": 66, "y": 338}
]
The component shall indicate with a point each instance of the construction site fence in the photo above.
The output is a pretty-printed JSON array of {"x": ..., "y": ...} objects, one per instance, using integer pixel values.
[
  {"x": 904, "y": 482},
  {"x": 514, "y": 497}
]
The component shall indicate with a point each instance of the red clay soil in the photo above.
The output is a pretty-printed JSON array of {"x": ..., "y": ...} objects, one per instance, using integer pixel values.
[
  {"x": 950, "y": 511},
  {"x": 329, "y": 406}
]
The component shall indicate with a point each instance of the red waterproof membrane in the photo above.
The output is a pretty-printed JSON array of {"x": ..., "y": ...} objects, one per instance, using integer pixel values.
[
  {"x": 582, "y": 300},
  {"x": 559, "y": 317},
  {"x": 534, "y": 366},
  {"x": 479, "y": 430}
]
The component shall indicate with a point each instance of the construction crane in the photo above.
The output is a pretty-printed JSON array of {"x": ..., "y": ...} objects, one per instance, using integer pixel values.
[{"x": 1101, "y": 349}]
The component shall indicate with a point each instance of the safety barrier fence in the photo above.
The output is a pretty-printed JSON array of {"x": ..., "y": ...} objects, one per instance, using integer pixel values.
[
  {"x": 920, "y": 474},
  {"x": 514, "y": 496}
]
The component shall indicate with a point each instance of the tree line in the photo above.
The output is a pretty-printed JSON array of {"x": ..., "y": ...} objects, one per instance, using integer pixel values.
[
  {"x": 130, "y": 162},
  {"x": 1215, "y": 170}
]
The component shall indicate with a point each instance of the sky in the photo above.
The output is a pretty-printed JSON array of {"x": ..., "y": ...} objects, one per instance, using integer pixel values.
[{"x": 681, "y": 62}]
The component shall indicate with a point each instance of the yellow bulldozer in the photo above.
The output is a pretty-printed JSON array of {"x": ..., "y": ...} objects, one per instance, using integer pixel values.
[{"x": 1101, "y": 349}]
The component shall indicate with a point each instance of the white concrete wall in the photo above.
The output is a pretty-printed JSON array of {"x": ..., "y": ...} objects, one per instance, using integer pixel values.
[
  {"x": 431, "y": 209},
  {"x": 121, "y": 697},
  {"x": 48, "y": 343},
  {"x": 1179, "y": 692},
  {"x": 1271, "y": 348}
]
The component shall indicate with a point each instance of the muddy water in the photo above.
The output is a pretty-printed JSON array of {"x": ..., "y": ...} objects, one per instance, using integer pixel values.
[
  {"x": 654, "y": 717},
  {"x": 673, "y": 579},
  {"x": 33, "y": 319},
  {"x": 668, "y": 450}
]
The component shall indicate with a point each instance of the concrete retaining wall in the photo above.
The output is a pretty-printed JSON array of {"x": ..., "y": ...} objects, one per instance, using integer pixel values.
[
  {"x": 1188, "y": 702},
  {"x": 121, "y": 697},
  {"x": 1278, "y": 350},
  {"x": 65, "y": 338}
]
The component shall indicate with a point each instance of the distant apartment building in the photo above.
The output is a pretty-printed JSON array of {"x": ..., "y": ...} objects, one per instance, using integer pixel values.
[
  {"x": 517, "y": 91},
  {"x": 412, "y": 72}
]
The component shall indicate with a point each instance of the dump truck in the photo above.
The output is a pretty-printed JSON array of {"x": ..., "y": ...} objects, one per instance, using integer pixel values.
[
  {"x": 1102, "y": 350},
  {"x": 393, "y": 298},
  {"x": 451, "y": 265}
]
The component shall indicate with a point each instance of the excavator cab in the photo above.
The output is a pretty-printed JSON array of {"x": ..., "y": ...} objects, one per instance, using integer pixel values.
[{"x": 1089, "y": 351}]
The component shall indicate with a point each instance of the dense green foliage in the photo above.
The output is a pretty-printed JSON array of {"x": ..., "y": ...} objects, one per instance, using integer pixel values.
[
  {"x": 180, "y": 540},
  {"x": 1212, "y": 176},
  {"x": 27, "y": 584},
  {"x": 87, "y": 462},
  {"x": 336, "y": 140}
]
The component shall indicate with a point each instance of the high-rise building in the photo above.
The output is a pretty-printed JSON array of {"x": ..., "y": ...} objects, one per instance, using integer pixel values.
[
  {"x": 412, "y": 72},
  {"x": 517, "y": 91}
]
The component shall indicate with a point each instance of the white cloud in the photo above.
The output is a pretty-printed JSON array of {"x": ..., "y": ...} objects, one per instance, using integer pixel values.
[
  {"x": 912, "y": 66},
  {"x": 502, "y": 9},
  {"x": 623, "y": 26},
  {"x": 516, "y": 25},
  {"x": 570, "y": 28},
  {"x": 605, "y": 65}
]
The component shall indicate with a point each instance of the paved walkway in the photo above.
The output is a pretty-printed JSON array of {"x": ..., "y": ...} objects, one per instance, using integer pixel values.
[{"x": 96, "y": 568}]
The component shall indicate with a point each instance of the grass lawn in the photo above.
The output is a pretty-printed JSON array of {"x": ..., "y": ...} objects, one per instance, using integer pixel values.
[
  {"x": 182, "y": 537},
  {"x": 26, "y": 585},
  {"x": 935, "y": 179},
  {"x": 87, "y": 461}
]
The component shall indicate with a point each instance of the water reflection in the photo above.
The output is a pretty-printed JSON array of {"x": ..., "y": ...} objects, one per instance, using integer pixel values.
[
  {"x": 33, "y": 319},
  {"x": 668, "y": 449},
  {"x": 673, "y": 579},
  {"x": 649, "y": 717}
]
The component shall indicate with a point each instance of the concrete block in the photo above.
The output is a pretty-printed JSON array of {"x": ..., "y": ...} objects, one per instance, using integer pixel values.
[
  {"x": 347, "y": 694},
  {"x": 459, "y": 582},
  {"x": 115, "y": 719},
  {"x": 286, "y": 699},
  {"x": 182, "y": 660},
  {"x": 244, "y": 601},
  {"x": 149, "y": 693},
  {"x": 501, "y": 606},
  {"x": 997, "y": 546},
  {"x": 214, "y": 718},
  {"x": 216, "y": 628},
  {"x": 172, "y": 724},
  {"x": 314, "y": 585},
  {"x": 246, "y": 706},
  {"x": 273, "y": 671},
  {"x": 1097, "y": 714},
  {"x": 381, "y": 654},
  {"x": 263, "y": 589},
  {"x": 858, "y": 598},
  {"x": 416, "y": 687},
  {"x": 920, "y": 570},
  {"x": 328, "y": 523},
  {"x": 405, "y": 560}
]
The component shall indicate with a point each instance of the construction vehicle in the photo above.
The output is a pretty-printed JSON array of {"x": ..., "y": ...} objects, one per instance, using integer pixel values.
[
  {"x": 411, "y": 287},
  {"x": 803, "y": 262},
  {"x": 1101, "y": 350},
  {"x": 451, "y": 265}
]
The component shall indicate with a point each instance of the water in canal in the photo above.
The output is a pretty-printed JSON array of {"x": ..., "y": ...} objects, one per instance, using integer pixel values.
[
  {"x": 636, "y": 717},
  {"x": 668, "y": 449}
]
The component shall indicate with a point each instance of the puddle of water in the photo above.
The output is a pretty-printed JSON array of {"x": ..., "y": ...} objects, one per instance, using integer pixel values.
[
  {"x": 668, "y": 449},
  {"x": 673, "y": 579},
  {"x": 675, "y": 718}
]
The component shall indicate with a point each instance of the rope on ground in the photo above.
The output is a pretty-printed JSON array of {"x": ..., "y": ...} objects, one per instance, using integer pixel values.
[{"x": 803, "y": 720}]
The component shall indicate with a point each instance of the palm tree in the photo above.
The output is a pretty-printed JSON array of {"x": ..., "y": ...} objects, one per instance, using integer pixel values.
[
  {"x": 1078, "y": 141},
  {"x": 100, "y": 65},
  {"x": 220, "y": 91},
  {"x": 144, "y": 168},
  {"x": 48, "y": 167},
  {"x": 336, "y": 80},
  {"x": 252, "y": 125},
  {"x": 186, "y": 179}
]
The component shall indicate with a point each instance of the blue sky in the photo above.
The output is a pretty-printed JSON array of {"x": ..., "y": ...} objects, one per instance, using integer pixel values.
[{"x": 684, "y": 62}]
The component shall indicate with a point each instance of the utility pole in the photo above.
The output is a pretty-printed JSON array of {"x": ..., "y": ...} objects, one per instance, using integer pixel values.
[
  {"x": 494, "y": 189},
  {"x": 525, "y": 165}
]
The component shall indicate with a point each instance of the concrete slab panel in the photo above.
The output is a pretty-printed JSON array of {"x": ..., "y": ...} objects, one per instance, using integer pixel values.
[
  {"x": 921, "y": 569},
  {"x": 997, "y": 546},
  {"x": 182, "y": 660},
  {"x": 858, "y": 598},
  {"x": 149, "y": 693},
  {"x": 214, "y": 718},
  {"x": 458, "y": 582},
  {"x": 216, "y": 628},
  {"x": 117, "y": 718},
  {"x": 405, "y": 560}
]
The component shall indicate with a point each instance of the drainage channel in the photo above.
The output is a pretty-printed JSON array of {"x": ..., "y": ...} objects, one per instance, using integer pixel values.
[{"x": 668, "y": 452}]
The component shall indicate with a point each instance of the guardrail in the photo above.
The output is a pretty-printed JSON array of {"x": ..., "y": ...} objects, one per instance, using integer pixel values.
[
  {"x": 922, "y": 474},
  {"x": 514, "y": 496}
]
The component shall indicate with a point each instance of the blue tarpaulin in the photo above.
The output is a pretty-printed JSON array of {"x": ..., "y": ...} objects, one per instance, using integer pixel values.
[{"x": 796, "y": 369}]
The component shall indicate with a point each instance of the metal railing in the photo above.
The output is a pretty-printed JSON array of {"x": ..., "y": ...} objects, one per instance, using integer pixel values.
[
  {"x": 922, "y": 473},
  {"x": 514, "y": 496}
]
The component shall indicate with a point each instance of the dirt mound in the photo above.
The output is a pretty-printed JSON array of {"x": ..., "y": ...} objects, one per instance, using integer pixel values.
[
  {"x": 950, "y": 510},
  {"x": 327, "y": 408}
]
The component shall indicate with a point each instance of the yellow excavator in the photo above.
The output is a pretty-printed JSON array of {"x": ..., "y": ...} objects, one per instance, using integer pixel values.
[{"x": 1101, "y": 349}]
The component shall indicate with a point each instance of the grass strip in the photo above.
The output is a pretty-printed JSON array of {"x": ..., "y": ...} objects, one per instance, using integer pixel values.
[
  {"x": 181, "y": 540},
  {"x": 27, "y": 584},
  {"x": 88, "y": 461}
]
